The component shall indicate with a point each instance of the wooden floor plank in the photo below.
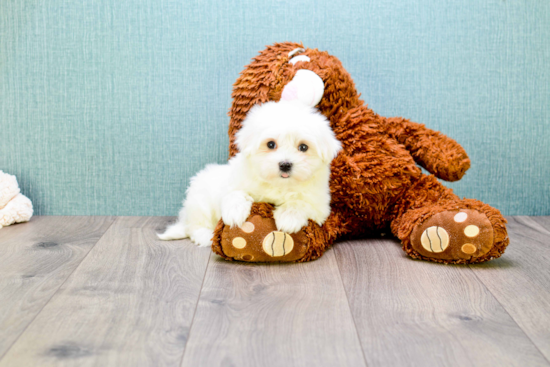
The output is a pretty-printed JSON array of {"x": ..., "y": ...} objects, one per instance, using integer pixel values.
[
  {"x": 410, "y": 312},
  {"x": 129, "y": 303},
  {"x": 544, "y": 221},
  {"x": 273, "y": 315},
  {"x": 520, "y": 280},
  {"x": 35, "y": 259}
]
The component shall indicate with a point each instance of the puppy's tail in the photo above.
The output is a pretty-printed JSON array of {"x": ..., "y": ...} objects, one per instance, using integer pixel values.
[{"x": 174, "y": 232}]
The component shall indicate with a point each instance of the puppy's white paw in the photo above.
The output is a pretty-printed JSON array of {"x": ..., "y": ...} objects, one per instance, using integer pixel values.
[
  {"x": 236, "y": 216},
  {"x": 235, "y": 209},
  {"x": 289, "y": 220},
  {"x": 202, "y": 237}
]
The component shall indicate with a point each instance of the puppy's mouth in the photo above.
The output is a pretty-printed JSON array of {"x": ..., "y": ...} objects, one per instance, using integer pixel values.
[{"x": 285, "y": 167}]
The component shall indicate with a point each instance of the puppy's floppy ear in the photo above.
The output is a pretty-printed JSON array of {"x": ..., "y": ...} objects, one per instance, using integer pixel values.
[
  {"x": 244, "y": 141},
  {"x": 328, "y": 146},
  {"x": 246, "y": 137}
]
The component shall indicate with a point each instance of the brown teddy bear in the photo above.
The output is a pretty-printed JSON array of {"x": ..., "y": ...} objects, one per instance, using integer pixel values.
[{"x": 375, "y": 182}]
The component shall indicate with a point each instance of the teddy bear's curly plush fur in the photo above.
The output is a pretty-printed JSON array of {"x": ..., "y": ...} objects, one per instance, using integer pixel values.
[{"x": 375, "y": 181}]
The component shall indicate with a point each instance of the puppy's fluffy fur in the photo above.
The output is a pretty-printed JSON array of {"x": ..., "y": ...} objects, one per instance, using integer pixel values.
[{"x": 285, "y": 154}]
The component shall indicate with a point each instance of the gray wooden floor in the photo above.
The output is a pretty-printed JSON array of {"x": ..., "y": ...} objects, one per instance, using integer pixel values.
[{"x": 103, "y": 291}]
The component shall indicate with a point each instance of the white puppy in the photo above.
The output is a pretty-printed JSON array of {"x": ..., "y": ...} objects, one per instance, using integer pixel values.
[{"x": 285, "y": 150}]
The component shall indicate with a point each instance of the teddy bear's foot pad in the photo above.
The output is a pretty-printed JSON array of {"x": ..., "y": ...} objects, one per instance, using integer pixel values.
[
  {"x": 258, "y": 240},
  {"x": 453, "y": 235}
]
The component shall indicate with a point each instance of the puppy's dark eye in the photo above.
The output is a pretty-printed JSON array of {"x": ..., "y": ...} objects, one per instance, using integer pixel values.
[
  {"x": 271, "y": 144},
  {"x": 303, "y": 148}
]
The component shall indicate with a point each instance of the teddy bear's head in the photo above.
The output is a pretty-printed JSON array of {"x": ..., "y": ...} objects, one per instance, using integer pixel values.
[{"x": 266, "y": 77}]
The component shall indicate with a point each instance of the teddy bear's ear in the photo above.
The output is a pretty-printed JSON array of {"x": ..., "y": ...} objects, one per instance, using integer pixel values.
[{"x": 306, "y": 86}]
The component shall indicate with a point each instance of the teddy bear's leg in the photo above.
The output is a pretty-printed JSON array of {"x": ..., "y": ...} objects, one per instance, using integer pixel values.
[
  {"x": 436, "y": 225},
  {"x": 259, "y": 241}
]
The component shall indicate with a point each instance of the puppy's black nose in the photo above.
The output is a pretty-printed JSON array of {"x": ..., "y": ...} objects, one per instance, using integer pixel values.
[{"x": 285, "y": 166}]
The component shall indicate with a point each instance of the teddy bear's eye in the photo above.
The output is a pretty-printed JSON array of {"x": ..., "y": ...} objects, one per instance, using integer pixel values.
[
  {"x": 271, "y": 144},
  {"x": 303, "y": 148}
]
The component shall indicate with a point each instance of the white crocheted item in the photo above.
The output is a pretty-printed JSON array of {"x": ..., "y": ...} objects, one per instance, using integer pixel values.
[{"x": 14, "y": 207}]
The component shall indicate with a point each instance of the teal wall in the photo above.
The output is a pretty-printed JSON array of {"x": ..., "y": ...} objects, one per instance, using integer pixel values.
[{"x": 110, "y": 106}]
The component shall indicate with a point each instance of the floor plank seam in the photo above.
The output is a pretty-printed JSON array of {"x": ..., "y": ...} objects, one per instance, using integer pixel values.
[
  {"x": 508, "y": 313},
  {"x": 349, "y": 308},
  {"x": 57, "y": 290},
  {"x": 195, "y": 311}
]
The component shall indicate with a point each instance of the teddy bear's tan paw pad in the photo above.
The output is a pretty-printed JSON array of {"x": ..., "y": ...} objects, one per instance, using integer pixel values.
[
  {"x": 258, "y": 240},
  {"x": 435, "y": 239},
  {"x": 278, "y": 244},
  {"x": 453, "y": 235}
]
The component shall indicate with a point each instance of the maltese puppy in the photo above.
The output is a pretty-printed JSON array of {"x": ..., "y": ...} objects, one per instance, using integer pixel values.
[{"x": 285, "y": 150}]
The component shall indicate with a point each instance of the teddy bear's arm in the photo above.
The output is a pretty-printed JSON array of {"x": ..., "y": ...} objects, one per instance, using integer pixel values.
[{"x": 437, "y": 153}]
